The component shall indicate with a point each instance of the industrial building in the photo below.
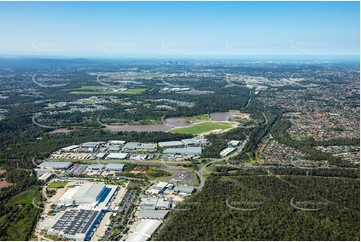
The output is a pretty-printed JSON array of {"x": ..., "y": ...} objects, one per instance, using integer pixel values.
[
  {"x": 74, "y": 224},
  {"x": 45, "y": 177},
  {"x": 116, "y": 142},
  {"x": 144, "y": 230},
  {"x": 114, "y": 167},
  {"x": 95, "y": 167},
  {"x": 88, "y": 193},
  {"x": 139, "y": 157},
  {"x": 190, "y": 142},
  {"x": 204, "y": 141},
  {"x": 100, "y": 155},
  {"x": 158, "y": 188},
  {"x": 184, "y": 189},
  {"x": 70, "y": 148},
  {"x": 55, "y": 165},
  {"x": 131, "y": 146},
  {"x": 184, "y": 151},
  {"x": 113, "y": 148},
  {"x": 152, "y": 214},
  {"x": 234, "y": 142},
  {"x": 227, "y": 151},
  {"x": 169, "y": 144},
  {"x": 117, "y": 156},
  {"x": 150, "y": 147},
  {"x": 91, "y": 146},
  {"x": 154, "y": 203}
]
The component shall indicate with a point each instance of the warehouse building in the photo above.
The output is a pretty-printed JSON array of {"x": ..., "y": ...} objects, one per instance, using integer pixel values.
[
  {"x": 184, "y": 189},
  {"x": 55, "y": 165},
  {"x": 227, "y": 151},
  {"x": 152, "y": 214},
  {"x": 45, "y": 177},
  {"x": 169, "y": 144},
  {"x": 116, "y": 142},
  {"x": 74, "y": 224},
  {"x": 190, "y": 142},
  {"x": 95, "y": 167},
  {"x": 150, "y": 147},
  {"x": 144, "y": 230},
  {"x": 184, "y": 151},
  {"x": 117, "y": 156},
  {"x": 70, "y": 148},
  {"x": 113, "y": 148},
  {"x": 131, "y": 146},
  {"x": 88, "y": 193},
  {"x": 100, "y": 155},
  {"x": 90, "y": 146},
  {"x": 158, "y": 188},
  {"x": 154, "y": 203},
  {"x": 114, "y": 167}
]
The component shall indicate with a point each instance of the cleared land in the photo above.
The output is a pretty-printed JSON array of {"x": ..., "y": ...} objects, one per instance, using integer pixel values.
[{"x": 202, "y": 128}]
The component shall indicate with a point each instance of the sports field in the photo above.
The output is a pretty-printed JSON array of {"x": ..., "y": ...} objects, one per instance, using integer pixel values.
[{"x": 202, "y": 128}]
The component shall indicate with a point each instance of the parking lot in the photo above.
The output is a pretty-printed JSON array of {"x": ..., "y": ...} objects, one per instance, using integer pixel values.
[{"x": 74, "y": 156}]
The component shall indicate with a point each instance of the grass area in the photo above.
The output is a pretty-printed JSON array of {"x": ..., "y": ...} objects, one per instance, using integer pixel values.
[
  {"x": 50, "y": 107},
  {"x": 23, "y": 217},
  {"x": 202, "y": 117},
  {"x": 202, "y": 127},
  {"x": 299, "y": 137},
  {"x": 26, "y": 196},
  {"x": 91, "y": 88},
  {"x": 58, "y": 184}
]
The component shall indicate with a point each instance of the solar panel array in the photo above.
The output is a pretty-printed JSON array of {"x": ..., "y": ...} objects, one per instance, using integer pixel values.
[{"x": 76, "y": 221}]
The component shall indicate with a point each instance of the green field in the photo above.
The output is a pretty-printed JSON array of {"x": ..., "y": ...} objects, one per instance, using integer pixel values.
[
  {"x": 96, "y": 90},
  {"x": 299, "y": 137},
  {"x": 58, "y": 184},
  {"x": 202, "y": 127}
]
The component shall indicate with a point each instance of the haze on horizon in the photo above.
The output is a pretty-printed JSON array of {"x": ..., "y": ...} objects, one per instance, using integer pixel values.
[{"x": 179, "y": 29}]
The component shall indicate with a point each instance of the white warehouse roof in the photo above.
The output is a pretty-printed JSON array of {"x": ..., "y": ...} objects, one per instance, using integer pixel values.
[
  {"x": 171, "y": 143},
  {"x": 114, "y": 166},
  {"x": 144, "y": 230},
  {"x": 187, "y": 151},
  {"x": 55, "y": 165},
  {"x": 120, "y": 156}
]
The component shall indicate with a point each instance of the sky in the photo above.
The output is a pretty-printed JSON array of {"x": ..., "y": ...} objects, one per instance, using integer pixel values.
[{"x": 179, "y": 29}]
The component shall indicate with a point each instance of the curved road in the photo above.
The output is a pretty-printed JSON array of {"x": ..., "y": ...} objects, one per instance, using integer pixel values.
[{"x": 43, "y": 126}]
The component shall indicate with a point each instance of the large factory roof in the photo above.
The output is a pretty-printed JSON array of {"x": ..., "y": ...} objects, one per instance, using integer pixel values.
[
  {"x": 89, "y": 190},
  {"x": 75, "y": 222},
  {"x": 144, "y": 230},
  {"x": 187, "y": 151},
  {"x": 171, "y": 143},
  {"x": 114, "y": 167},
  {"x": 120, "y": 156},
  {"x": 55, "y": 165},
  {"x": 152, "y": 214}
]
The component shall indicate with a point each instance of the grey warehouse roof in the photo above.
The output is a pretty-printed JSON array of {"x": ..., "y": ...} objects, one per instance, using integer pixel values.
[
  {"x": 155, "y": 214},
  {"x": 55, "y": 164},
  {"x": 170, "y": 143},
  {"x": 114, "y": 166},
  {"x": 185, "y": 189},
  {"x": 188, "y": 151}
]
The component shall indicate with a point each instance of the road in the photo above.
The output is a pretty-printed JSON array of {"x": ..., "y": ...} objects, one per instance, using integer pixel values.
[{"x": 43, "y": 126}]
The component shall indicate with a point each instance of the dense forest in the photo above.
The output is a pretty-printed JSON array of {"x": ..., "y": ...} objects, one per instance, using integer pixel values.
[{"x": 259, "y": 207}]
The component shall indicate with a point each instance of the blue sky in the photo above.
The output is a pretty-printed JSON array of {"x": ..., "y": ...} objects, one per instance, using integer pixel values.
[{"x": 184, "y": 29}]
